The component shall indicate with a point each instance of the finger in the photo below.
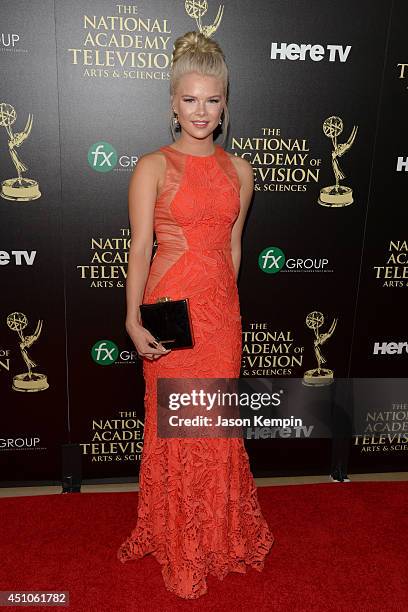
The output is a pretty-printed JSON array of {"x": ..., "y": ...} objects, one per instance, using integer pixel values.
[
  {"x": 157, "y": 345},
  {"x": 153, "y": 342},
  {"x": 160, "y": 350}
]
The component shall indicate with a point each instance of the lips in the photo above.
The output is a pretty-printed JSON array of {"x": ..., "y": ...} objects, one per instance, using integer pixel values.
[{"x": 200, "y": 123}]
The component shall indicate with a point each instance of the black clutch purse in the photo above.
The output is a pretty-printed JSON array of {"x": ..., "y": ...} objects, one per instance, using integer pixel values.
[{"x": 169, "y": 322}]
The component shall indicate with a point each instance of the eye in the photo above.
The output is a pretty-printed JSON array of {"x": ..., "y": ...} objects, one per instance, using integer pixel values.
[{"x": 216, "y": 100}]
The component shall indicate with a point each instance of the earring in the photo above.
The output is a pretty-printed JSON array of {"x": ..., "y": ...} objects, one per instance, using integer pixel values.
[{"x": 175, "y": 120}]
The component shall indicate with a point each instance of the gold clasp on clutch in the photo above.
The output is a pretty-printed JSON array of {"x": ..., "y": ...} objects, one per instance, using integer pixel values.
[{"x": 164, "y": 299}]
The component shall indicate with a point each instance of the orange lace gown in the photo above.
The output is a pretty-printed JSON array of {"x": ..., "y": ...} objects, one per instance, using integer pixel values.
[{"x": 198, "y": 510}]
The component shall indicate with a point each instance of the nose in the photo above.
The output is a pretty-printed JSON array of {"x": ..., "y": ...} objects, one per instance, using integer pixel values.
[{"x": 201, "y": 108}]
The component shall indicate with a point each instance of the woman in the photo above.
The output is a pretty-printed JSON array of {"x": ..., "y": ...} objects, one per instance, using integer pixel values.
[{"x": 198, "y": 510}]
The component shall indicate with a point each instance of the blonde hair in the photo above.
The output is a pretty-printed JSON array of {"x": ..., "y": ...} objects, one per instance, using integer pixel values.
[{"x": 195, "y": 52}]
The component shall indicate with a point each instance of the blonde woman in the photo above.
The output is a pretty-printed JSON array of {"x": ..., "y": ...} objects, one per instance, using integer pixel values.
[{"x": 198, "y": 509}]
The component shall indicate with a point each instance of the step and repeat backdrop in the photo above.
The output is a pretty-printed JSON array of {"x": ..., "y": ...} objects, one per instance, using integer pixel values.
[{"x": 318, "y": 92}]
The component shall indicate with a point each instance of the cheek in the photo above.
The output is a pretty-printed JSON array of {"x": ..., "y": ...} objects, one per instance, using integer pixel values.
[
  {"x": 185, "y": 110},
  {"x": 214, "y": 111}
]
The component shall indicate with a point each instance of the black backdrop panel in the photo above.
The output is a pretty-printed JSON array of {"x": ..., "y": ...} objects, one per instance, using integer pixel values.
[{"x": 32, "y": 323}]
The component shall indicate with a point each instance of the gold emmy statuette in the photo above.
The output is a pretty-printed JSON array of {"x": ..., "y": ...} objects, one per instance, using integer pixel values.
[
  {"x": 337, "y": 195},
  {"x": 319, "y": 376},
  {"x": 29, "y": 381},
  {"x": 197, "y": 9},
  {"x": 17, "y": 189}
]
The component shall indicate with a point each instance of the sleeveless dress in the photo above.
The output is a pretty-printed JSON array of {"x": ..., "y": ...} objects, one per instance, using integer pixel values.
[{"x": 198, "y": 510}]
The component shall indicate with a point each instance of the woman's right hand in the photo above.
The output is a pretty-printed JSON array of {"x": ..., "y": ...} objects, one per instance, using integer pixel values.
[{"x": 145, "y": 343}]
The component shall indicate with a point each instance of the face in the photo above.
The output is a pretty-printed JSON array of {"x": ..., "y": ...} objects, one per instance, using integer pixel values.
[{"x": 198, "y": 99}]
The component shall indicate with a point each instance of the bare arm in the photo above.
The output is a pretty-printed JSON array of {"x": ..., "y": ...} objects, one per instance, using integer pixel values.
[
  {"x": 142, "y": 197},
  {"x": 246, "y": 177}
]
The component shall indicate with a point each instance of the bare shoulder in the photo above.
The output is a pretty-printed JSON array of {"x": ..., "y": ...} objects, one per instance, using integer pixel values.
[
  {"x": 244, "y": 170},
  {"x": 154, "y": 160},
  {"x": 152, "y": 165}
]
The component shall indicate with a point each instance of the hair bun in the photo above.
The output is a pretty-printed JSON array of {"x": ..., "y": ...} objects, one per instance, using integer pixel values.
[{"x": 195, "y": 42}]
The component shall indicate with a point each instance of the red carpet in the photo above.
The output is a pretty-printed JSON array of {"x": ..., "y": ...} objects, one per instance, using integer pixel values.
[{"x": 339, "y": 546}]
